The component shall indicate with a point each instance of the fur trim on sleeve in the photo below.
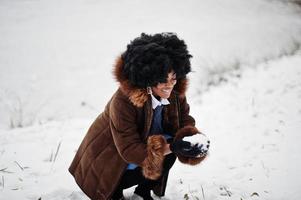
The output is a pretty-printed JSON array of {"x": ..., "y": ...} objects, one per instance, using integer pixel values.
[
  {"x": 183, "y": 132},
  {"x": 152, "y": 166}
]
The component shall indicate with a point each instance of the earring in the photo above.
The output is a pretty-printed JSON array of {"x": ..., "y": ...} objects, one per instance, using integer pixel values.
[{"x": 149, "y": 90}]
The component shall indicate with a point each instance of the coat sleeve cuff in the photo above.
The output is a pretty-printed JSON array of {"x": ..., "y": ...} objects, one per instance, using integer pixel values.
[{"x": 152, "y": 165}]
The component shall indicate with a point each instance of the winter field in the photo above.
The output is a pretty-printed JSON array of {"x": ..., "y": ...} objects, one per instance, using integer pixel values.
[{"x": 56, "y": 59}]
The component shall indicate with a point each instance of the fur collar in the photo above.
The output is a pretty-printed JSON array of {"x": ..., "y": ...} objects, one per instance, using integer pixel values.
[{"x": 139, "y": 96}]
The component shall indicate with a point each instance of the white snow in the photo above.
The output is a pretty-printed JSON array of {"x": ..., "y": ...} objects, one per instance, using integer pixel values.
[
  {"x": 56, "y": 60},
  {"x": 254, "y": 123}
]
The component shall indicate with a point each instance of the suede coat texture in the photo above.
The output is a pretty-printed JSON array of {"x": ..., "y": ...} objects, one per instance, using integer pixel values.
[{"x": 119, "y": 136}]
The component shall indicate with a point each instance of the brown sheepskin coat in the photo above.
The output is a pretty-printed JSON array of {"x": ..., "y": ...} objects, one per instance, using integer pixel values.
[{"x": 119, "y": 136}]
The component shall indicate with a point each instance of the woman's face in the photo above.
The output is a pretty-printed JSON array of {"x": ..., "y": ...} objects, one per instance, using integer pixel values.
[{"x": 163, "y": 90}]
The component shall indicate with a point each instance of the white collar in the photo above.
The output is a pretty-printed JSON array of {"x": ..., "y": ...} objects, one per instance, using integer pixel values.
[{"x": 156, "y": 102}]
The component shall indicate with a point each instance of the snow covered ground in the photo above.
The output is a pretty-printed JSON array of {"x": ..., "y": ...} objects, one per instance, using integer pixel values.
[
  {"x": 55, "y": 77},
  {"x": 254, "y": 123}
]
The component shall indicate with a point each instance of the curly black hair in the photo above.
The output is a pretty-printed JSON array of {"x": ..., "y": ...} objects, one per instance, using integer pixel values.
[{"x": 149, "y": 58}]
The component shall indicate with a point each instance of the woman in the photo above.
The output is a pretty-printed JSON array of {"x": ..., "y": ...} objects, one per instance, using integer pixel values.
[{"x": 138, "y": 137}]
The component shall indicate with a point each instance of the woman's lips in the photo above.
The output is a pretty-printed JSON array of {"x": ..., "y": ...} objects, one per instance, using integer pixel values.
[{"x": 166, "y": 91}]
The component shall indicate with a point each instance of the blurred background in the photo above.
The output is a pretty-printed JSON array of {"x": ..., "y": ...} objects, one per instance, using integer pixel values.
[
  {"x": 56, "y": 61},
  {"x": 56, "y": 57}
]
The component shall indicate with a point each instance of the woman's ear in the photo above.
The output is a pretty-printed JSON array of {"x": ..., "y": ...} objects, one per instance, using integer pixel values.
[{"x": 149, "y": 90}]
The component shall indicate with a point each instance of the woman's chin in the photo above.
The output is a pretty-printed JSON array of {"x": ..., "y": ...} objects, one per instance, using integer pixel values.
[{"x": 165, "y": 96}]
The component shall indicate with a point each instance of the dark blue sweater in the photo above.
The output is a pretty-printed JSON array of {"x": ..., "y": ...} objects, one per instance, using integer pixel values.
[{"x": 156, "y": 128}]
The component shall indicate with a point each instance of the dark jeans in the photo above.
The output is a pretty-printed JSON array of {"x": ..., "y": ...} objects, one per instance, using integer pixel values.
[{"x": 135, "y": 177}]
